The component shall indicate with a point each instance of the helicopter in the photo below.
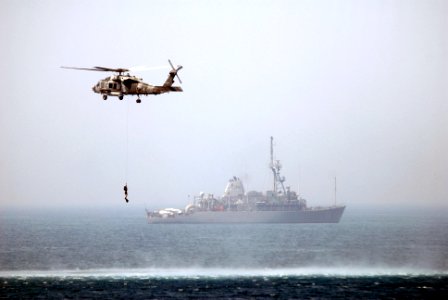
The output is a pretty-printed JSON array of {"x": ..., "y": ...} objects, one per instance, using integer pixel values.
[{"x": 125, "y": 84}]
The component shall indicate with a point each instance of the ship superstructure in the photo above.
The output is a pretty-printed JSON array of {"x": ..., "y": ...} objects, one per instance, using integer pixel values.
[{"x": 279, "y": 205}]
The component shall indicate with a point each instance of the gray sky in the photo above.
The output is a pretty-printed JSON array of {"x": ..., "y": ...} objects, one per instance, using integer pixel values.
[{"x": 353, "y": 89}]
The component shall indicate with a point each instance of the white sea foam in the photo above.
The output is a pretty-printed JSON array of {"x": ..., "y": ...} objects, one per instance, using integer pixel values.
[{"x": 223, "y": 272}]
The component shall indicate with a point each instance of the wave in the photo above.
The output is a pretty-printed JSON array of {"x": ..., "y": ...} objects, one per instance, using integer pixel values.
[{"x": 223, "y": 272}]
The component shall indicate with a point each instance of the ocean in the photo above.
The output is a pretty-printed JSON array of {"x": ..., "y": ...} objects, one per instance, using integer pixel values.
[{"x": 373, "y": 253}]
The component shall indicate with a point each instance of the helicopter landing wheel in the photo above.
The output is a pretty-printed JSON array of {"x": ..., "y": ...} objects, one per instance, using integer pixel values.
[
  {"x": 139, "y": 100},
  {"x": 104, "y": 97},
  {"x": 120, "y": 97}
]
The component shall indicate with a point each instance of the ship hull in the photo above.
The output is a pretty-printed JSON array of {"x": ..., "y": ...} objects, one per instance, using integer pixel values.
[{"x": 316, "y": 215}]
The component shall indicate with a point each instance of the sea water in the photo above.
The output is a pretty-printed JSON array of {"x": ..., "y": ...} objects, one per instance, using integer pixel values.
[{"x": 371, "y": 253}]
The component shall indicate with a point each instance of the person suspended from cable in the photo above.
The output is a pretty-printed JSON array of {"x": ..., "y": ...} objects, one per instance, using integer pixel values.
[{"x": 125, "y": 188}]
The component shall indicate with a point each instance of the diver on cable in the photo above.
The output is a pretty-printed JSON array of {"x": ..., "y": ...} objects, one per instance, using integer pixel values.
[{"x": 125, "y": 188}]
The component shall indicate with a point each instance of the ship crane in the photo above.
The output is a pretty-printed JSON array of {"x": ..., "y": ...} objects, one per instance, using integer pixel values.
[{"x": 276, "y": 166}]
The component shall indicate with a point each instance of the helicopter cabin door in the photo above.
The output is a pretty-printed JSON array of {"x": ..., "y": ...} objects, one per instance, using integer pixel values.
[{"x": 114, "y": 86}]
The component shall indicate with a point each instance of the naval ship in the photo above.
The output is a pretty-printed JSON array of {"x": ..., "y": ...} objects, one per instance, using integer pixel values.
[{"x": 279, "y": 205}]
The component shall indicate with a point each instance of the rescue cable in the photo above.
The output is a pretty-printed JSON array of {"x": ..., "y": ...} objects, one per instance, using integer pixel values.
[{"x": 125, "y": 188}]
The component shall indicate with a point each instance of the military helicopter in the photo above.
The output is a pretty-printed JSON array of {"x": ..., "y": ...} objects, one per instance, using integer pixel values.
[{"x": 119, "y": 85}]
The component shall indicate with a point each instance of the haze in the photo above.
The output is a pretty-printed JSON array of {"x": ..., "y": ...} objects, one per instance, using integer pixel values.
[{"x": 350, "y": 89}]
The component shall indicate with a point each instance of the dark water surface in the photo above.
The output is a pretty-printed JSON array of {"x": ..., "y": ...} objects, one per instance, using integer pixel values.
[{"x": 380, "y": 253}]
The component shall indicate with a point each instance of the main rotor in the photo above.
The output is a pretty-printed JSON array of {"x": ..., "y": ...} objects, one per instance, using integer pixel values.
[{"x": 120, "y": 71}]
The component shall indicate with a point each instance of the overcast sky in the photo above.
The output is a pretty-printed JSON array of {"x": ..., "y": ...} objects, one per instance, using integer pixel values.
[{"x": 356, "y": 90}]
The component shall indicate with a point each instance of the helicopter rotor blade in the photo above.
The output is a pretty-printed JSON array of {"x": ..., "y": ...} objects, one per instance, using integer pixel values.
[
  {"x": 99, "y": 69},
  {"x": 83, "y": 69}
]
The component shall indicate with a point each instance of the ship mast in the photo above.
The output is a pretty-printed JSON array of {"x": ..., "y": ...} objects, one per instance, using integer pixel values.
[
  {"x": 275, "y": 167},
  {"x": 271, "y": 165}
]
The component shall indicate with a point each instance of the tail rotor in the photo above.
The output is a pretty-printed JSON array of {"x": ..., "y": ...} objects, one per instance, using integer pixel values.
[{"x": 175, "y": 70}]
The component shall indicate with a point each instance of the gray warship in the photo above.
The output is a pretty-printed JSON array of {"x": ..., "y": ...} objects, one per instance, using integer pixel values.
[{"x": 279, "y": 205}]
